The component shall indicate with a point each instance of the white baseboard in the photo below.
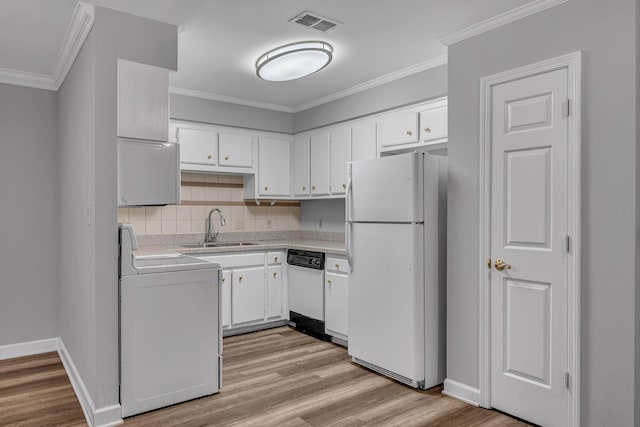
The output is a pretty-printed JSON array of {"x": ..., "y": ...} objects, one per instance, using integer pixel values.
[
  {"x": 462, "y": 392},
  {"x": 28, "y": 348},
  {"x": 102, "y": 417}
]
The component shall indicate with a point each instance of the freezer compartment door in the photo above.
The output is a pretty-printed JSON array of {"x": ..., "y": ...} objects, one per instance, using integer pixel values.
[
  {"x": 386, "y": 298},
  {"x": 169, "y": 338},
  {"x": 389, "y": 189},
  {"x": 148, "y": 173}
]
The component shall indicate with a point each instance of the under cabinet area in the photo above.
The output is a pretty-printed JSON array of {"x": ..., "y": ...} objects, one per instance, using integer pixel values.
[
  {"x": 336, "y": 296},
  {"x": 253, "y": 290}
]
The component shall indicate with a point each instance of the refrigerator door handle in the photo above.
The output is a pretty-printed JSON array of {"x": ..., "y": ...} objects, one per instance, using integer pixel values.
[{"x": 348, "y": 222}]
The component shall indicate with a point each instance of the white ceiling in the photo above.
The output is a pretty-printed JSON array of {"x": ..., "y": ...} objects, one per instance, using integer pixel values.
[{"x": 220, "y": 40}]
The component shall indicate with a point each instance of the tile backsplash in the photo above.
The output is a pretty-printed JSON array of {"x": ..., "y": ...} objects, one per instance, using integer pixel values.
[{"x": 202, "y": 192}]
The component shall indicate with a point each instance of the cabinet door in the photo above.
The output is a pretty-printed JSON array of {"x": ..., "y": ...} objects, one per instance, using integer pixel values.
[
  {"x": 363, "y": 141},
  {"x": 247, "y": 295},
  {"x": 235, "y": 150},
  {"x": 336, "y": 302},
  {"x": 274, "y": 291},
  {"x": 274, "y": 167},
  {"x": 433, "y": 124},
  {"x": 398, "y": 129},
  {"x": 225, "y": 295},
  {"x": 198, "y": 146},
  {"x": 301, "y": 166},
  {"x": 338, "y": 158},
  {"x": 319, "y": 144},
  {"x": 143, "y": 101}
]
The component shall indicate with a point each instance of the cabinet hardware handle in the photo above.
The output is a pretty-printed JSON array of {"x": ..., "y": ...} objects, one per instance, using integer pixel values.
[
  {"x": 313, "y": 188},
  {"x": 276, "y": 259},
  {"x": 266, "y": 188},
  {"x": 275, "y": 274},
  {"x": 304, "y": 188},
  {"x": 209, "y": 156},
  {"x": 240, "y": 278},
  {"x": 337, "y": 266},
  {"x": 427, "y": 130},
  {"x": 500, "y": 265},
  {"x": 409, "y": 133},
  {"x": 226, "y": 157},
  {"x": 329, "y": 282},
  {"x": 344, "y": 186},
  {"x": 222, "y": 280}
]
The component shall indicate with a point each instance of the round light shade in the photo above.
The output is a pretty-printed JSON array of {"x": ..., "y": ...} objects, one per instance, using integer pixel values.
[{"x": 292, "y": 61}]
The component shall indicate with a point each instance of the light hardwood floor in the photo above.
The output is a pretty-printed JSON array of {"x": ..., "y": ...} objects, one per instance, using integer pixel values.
[{"x": 277, "y": 377}]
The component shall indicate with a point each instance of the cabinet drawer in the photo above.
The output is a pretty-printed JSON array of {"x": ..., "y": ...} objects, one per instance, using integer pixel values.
[
  {"x": 433, "y": 124},
  {"x": 235, "y": 150},
  {"x": 398, "y": 129},
  {"x": 274, "y": 258},
  {"x": 338, "y": 265},
  {"x": 235, "y": 260}
]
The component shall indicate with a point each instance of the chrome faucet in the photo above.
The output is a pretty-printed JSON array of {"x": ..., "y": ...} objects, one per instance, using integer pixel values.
[{"x": 209, "y": 237}]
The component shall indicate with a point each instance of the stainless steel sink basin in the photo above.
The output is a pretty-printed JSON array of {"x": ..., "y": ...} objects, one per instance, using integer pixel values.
[{"x": 216, "y": 245}]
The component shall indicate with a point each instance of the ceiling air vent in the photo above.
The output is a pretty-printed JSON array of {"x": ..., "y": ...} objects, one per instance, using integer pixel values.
[{"x": 315, "y": 21}]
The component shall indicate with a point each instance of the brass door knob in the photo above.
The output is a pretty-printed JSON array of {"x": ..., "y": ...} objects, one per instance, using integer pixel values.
[
  {"x": 501, "y": 265},
  {"x": 427, "y": 130},
  {"x": 409, "y": 133}
]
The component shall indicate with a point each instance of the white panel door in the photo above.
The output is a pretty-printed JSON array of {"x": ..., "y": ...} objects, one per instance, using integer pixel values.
[
  {"x": 386, "y": 297},
  {"x": 198, "y": 146},
  {"x": 528, "y": 232},
  {"x": 225, "y": 295},
  {"x": 363, "y": 140},
  {"x": 143, "y": 101},
  {"x": 235, "y": 150},
  {"x": 274, "y": 167},
  {"x": 274, "y": 291},
  {"x": 301, "y": 163},
  {"x": 338, "y": 158},
  {"x": 319, "y": 143},
  {"x": 247, "y": 295}
]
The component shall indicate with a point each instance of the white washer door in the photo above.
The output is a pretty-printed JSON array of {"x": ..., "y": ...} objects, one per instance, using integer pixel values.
[
  {"x": 306, "y": 291},
  {"x": 170, "y": 335}
]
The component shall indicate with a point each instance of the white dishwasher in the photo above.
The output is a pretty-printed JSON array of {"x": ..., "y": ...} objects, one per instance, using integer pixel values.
[
  {"x": 306, "y": 292},
  {"x": 170, "y": 328}
]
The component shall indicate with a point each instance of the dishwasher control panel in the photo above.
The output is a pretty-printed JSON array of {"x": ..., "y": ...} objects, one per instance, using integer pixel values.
[{"x": 306, "y": 259}]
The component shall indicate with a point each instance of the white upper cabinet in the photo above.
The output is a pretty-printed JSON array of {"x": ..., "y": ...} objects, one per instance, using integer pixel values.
[
  {"x": 398, "y": 129},
  {"x": 301, "y": 164},
  {"x": 363, "y": 141},
  {"x": 319, "y": 143},
  {"x": 274, "y": 167},
  {"x": 235, "y": 150},
  {"x": 339, "y": 144},
  {"x": 143, "y": 101},
  {"x": 198, "y": 146},
  {"x": 434, "y": 123}
]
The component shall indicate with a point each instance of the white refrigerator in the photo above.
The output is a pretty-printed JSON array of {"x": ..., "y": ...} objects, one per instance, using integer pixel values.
[{"x": 396, "y": 246}]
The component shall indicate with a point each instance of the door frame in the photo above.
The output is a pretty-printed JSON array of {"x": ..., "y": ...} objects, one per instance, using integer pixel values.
[{"x": 571, "y": 62}]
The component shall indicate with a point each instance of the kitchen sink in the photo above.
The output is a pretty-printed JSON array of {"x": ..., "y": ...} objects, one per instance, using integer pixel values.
[{"x": 216, "y": 244}]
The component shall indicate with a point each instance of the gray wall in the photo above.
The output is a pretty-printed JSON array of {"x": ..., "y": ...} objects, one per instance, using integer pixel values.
[
  {"x": 322, "y": 215},
  {"x": 605, "y": 33},
  {"x": 89, "y": 267},
  {"x": 409, "y": 90},
  {"x": 28, "y": 230},
  {"x": 76, "y": 164},
  {"x": 224, "y": 113}
]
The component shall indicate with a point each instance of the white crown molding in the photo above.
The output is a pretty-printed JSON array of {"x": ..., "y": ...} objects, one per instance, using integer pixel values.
[
  {"x": 499, "y": 20},
  {"x": 229, "y": 99},
  {"x": 77, "y": 32},
  {"x": 379, "y": 81},
  {"x": 387, "y": 78}
]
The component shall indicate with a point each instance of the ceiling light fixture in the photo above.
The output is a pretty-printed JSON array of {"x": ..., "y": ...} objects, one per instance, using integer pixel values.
[{"x": 293, "y": 61}]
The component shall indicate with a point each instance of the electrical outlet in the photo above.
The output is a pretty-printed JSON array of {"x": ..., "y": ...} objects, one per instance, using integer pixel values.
[
  {"x": 239, "y": 223},
  {"x": 268, "y": 224}
]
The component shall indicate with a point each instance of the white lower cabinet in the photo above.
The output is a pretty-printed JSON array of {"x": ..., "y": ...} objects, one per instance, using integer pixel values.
[
  {"x": 336, "y": 282},
  {"x": 252, "y": 289}
]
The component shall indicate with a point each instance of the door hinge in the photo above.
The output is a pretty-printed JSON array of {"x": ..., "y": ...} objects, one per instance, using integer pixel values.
[
  {"x": 567, "y": 378},
  {"x": 568, "y": 245},
  {"x": 566, "y": 108}
]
